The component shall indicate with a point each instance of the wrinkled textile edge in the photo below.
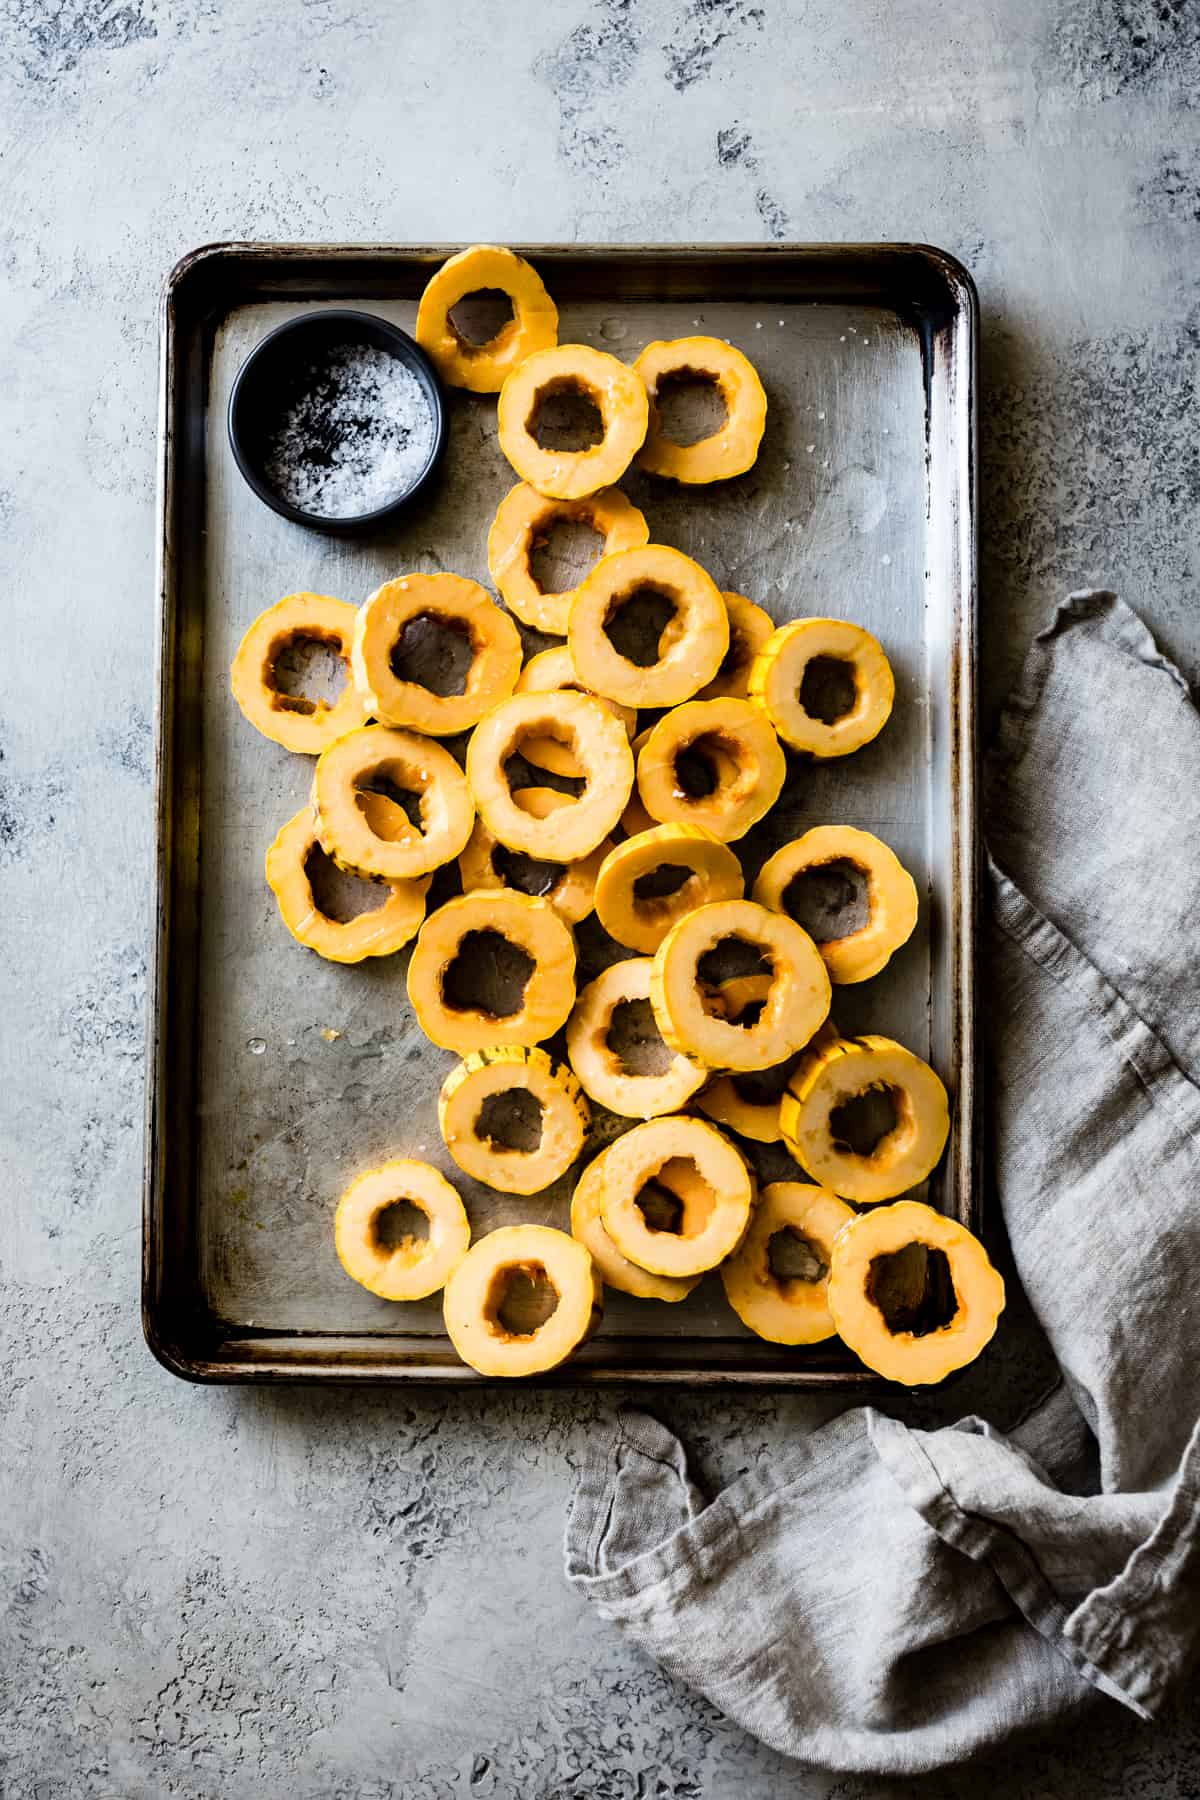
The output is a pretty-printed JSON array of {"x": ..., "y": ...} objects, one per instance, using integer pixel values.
[
  {"x": 703, "y": 1541},
  {"x": 1165, "y": 1083},
  {"x": 596, "y": 1489},
  {"x": 1117, "y": 623},
  {"x": 1101, "y": 614},
  {"x": 1119, "y": 1622},
  {"x": 1012, "y": 1562},
  {"x": 591, "y": 1503},
  {"x": 1107, "y": 1638}
]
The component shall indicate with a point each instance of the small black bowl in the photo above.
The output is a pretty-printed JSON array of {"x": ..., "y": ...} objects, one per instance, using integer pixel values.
[{"x": 267, "y": 382}]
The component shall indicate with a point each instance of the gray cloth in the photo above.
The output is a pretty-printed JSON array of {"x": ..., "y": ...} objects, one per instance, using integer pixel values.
[{"x": 892, "y": 1600}]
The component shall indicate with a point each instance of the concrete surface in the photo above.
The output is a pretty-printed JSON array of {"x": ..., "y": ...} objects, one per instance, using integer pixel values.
[{"x": 226, "y": 1594}]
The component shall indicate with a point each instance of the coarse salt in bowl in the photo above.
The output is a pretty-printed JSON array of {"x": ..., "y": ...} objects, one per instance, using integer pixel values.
[{"x": 336, "y": 419}]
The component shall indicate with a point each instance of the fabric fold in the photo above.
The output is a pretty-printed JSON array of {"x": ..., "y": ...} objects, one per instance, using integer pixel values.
[{"x": 891, "y": 1600}]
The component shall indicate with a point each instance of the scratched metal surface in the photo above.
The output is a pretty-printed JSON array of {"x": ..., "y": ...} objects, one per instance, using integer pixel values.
[{"x": 306, "y": 1072}]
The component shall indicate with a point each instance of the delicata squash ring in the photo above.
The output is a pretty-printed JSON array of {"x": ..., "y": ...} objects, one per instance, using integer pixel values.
[
  {"x": 535, "y": 928},
  {"x": 569, "y": 888},
  {"x": 860, "y": 1265},
  {"x": 777, "y": 679},
  {"x": 475, "y": 1297},
  {"x": 749, "y": 629},
  {"x": 416, "y": 764},
  {"x": 891, "y": 895},
  {"x": 552, "y": 671},
  {"x": 616, "y": 1270},
  {"x": 308, "y": 726},
  {"x": 605, "y": 1076},
  {"x": 630, "y": 909},
  {"x": 469, "y": 1129},
  {"x": 709, "y": 1181},
  {"x": 388, "y": 927},
  {"x": 712, "y": 763},
  {"x": 415, "y": 1267},
  {"x": 448, "y": 600},
  {"x": 782, "y": 1309},
  {"x": 483, "y": 367},
  {"x": 797, "y": 1001},
  {"x": 619, "y": 395},
  {"x": 690, "y": 647},
  {"x": 525, "y": 519},
  {"x": 840, "y": 1073},
  {"x": 733, "y": 448},
  {"x": 595, "y": 739}
]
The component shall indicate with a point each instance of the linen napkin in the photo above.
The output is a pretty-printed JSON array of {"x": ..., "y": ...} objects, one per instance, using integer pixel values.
[{"x": 891, "y": 1600}]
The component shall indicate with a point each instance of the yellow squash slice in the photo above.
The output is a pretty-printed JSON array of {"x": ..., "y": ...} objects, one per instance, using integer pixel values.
[
  {"x": 471, "y": 1117},
  {"x": 730, "y": 450},
  {"x": 388, "y": 927},
  {"x": 616, "y": 1270},
  {"x": 691, "y": 644},
  {"x": 570, "y": 888},
  {"x": 458, "y": 605},
  {"x": 476, "y": 1294},
  {"x": 447, "y": 971},
  {"x": 712, "y": 763},
  {"x": 787, "y": 1303},
  {"x": 616, "y": 391},
  {"x": 658, "y": 877},
  {"x": 843, "y": 1075},
  {"x": 749, "y": 629},
  {"x": 414, "y": 1267},
  {"x": 485, "y": 268},
  {"x": 524, "y": 522},
  {"x": 826, "y": 860},
  {"x": 378, "y": 754},
  {"x": 599, "y": 745},
  {"x": 830, "y": 654},
  {"x": 551, "y": 672},
  {"x": 308, "y": 726},
  {"x": 913, "y": 1293},
  {"x": 691, "y": 1181},
  {"x": 594, "y": 1031},
  {"x": 797, "y": 1001}
]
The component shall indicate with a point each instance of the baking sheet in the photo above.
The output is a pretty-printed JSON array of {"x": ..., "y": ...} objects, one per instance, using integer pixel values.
[{"x": 276, "y": 1077}]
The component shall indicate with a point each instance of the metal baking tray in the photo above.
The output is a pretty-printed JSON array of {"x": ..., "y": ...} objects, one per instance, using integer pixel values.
[{"x": 274, "y": 1077}]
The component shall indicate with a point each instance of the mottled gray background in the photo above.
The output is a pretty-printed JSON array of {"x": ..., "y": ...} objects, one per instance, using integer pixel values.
[{"x": 220, "y": 1594}]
